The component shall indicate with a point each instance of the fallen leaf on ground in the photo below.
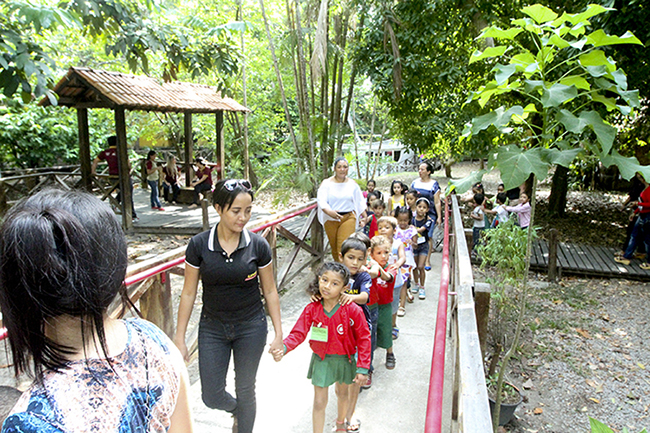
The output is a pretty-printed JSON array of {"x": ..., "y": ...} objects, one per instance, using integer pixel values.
[
  {"x": 528, "y": 384},
  {"x": 538, "y": 411},
  {"x": 591, "y": 383},
  {"x": 595, "y": 400},
  {"x": 558, "y": 301},
  {"x": 583, "y": 332},
  {"x": 641, "y": 366}
]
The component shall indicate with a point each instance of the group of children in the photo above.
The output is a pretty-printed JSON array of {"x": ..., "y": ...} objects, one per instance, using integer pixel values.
[
  {"x": 355, "y": 303},
  {"x": 498, "y": 207}
]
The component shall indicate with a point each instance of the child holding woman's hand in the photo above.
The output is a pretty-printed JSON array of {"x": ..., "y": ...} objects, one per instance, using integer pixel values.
[{"x": 337, "y": 331}]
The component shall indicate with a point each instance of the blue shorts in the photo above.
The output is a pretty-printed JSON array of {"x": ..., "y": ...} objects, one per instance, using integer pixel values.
[{"x": 421, "y": 249}]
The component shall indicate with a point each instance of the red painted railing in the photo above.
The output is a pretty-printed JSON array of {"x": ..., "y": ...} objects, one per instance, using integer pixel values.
[
  {"x": 433, "y": 422},
  {"x": 141, "y": 276}
]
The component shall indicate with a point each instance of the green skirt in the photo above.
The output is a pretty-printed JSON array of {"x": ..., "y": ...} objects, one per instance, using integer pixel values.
[{"x": 334, "y": 368}]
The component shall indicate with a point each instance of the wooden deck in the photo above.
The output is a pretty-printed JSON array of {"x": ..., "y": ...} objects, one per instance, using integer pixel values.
[
  {"x": 587, "y": 260},
  {"x": 181, "y": 220}
]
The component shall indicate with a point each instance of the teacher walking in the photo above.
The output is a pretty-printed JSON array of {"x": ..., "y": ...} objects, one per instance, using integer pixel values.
[
  {"x": 340, "y": 206},
  {"x": 429, "y": 189},
  {"x": 232, "y": 263}
]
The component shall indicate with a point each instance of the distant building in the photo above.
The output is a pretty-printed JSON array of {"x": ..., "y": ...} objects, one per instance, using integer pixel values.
[{"x": 394, "y": 158}]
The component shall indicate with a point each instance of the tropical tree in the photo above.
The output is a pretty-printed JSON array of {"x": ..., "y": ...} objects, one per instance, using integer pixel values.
[{"x": 557, "y": 79}]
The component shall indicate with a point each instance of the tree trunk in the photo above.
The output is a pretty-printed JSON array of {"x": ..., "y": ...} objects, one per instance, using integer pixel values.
[
  {"x": 281, "y": 86},
  {"x": 559, "y": 188}
]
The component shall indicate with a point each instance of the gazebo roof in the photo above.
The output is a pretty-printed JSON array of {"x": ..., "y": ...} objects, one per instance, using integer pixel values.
[{"x": 93, "y": 88}]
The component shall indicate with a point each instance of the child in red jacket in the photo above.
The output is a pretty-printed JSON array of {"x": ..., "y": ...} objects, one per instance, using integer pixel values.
[{"x": 337, "y": 333}]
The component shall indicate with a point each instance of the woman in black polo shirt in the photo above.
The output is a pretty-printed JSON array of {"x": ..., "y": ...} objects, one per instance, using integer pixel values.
[{"x": 231, "y": 262}]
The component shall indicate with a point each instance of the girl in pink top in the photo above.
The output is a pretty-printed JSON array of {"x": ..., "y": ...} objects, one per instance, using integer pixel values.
[{"x": 522, "y": 210}]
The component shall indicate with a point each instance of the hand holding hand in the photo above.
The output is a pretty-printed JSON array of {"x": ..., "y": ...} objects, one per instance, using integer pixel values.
[{"x": 361, "y": 379}]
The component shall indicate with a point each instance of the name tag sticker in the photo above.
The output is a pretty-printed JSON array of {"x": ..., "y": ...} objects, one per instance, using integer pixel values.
[
  {"x": 319, "y": 333},
  {"x": 421, "y": 239}
]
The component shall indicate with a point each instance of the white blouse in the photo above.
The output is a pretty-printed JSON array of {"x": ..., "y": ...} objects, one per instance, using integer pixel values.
[{"x": 340, "y": 197}]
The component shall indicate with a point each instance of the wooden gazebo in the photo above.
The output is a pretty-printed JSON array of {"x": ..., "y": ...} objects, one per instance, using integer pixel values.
[{"x": 84, "y": 88}]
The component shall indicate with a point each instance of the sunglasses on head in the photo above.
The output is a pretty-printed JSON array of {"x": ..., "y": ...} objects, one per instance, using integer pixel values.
[{"x": 233, "y": 183}]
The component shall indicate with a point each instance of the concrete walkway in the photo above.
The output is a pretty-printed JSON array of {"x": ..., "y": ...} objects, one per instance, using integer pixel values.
[{"x": 395, "y": 403}]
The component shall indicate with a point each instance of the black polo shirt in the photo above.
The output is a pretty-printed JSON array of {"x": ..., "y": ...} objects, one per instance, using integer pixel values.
[{"x": 231, "y": 289}]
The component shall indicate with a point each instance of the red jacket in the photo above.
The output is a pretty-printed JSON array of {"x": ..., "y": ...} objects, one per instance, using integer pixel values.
[
  {"x": 347, "y": 333},
  {"x": 644, "y": 201},
  {"x": 381, "y": 291}
]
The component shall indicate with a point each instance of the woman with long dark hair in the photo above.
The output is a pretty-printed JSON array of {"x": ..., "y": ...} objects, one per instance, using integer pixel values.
[
  {"x": 232, "y": 263},
  {"x": 63, "y": 260},
  {"x": 429, "y": 189}
]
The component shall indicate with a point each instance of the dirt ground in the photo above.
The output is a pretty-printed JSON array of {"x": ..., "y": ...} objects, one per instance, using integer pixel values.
[{"x": 583, "y": 351}]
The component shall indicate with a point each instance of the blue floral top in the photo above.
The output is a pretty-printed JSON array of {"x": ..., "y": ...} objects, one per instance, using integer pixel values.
[{"x": 138, "y": 394}]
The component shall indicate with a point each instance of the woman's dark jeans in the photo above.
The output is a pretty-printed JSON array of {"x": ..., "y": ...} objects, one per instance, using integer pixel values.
[
  {"x": 246, "y": 341},
  {"x": 640, "y": 234},
  {"x": 172, "y": 190},
  {"x": 200, "y": 188}
]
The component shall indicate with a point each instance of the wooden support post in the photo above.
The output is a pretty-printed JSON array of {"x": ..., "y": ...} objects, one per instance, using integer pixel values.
[
  {"x": 124, "y": 168},
  {"x": 482, "y": 309},
  {"x": 84, "y": 148},
  {"x": 189, "y": 148},
  {"x": 272, "y": 239},
  {"x": 219, "y": 146},
  {"x": 552, "y": 255},
  {"x": 205, "y": 215},
  {"x": 156, "y": 304},
  {"x": 316, "y": 234}
]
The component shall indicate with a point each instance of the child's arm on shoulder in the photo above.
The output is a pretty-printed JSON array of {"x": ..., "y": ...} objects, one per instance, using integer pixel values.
[
  {"x": 387, "y": 275},
  {"x": 347, "y": 298},
  {"x": 475, "y": 216}
]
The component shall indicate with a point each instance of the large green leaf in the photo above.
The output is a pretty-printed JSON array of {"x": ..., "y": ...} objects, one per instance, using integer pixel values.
[
  {"x": 576, "y": 80},
  {"x": 597, "y": 58},
  {"x": 620, "y": 78},
  {"x": 628, "y": 166},
  {"x": 503, "y": 72},
  {"x": 557, "y": 41},
  {"x": 599, "y": 427},
  {"x": 591, "y": 11},
  {"x": 609, "y": 103},
  {"x": 560, "y": 157},
  {"x": 539, "y": 13},
  {"x": 604, "y": 131},
  {"x": 488, "y": 53},
  {"x": 523, "y": 60},
  {"x": 600, "y": 39},
  {"x": 516, "y": 164},
  {"x": 499, "y": 118},
  {"x": 558, "y": 94},
  {"x": 464, "y": 184},
  {"x": 496, "y": 32},
  {"x": 631, "y": 97}
]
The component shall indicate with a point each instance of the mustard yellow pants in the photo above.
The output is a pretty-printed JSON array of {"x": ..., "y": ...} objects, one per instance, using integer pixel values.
[{"x": 338, "y": 231}]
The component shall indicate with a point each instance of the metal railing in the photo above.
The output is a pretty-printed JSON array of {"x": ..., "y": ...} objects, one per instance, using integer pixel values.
[{"x": 458, "y": 400}]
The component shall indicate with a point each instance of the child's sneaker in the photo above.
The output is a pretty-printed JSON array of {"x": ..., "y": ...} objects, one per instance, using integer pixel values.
[
  {"x": 368, "y": 382},
  {"x": 414, "y": 288},
  {"x": 390, "y": 361},
  {"x": 421, "y": 293}
]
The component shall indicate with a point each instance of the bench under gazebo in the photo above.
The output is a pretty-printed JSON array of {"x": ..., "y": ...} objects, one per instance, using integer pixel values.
[{"x": 84, "y": 88}]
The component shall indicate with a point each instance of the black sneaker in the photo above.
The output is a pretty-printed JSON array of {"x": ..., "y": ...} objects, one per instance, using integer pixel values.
[{"x": 390, "y": 361}]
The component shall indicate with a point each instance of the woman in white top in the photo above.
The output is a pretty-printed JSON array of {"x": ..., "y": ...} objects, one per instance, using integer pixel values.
[{"x": 340, "y": 206}]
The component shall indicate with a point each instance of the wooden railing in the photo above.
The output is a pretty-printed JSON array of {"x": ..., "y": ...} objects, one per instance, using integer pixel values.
[{"x": 464, "y": 404}]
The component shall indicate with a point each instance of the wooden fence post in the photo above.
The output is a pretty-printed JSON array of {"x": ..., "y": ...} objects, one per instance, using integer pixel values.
[
  {"x": 552, "y": 255},
  {"x": 317, "y": 236},
  {"x": 482, "y": 309},
  {"x": 156, "y": 304},
  {"x": 272, "y": 239},
  {"x": 206, "y": 216}
]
